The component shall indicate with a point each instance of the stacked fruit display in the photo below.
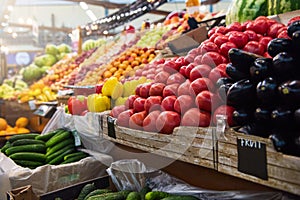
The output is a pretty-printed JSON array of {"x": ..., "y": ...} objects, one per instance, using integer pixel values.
[
  {"x": 265, "y": 91},
  {"x": 151, "y": 37},
  {"x": 32, "y": 150},
  {"x": 185, "y": 92},
  {"x": 37, "y": 91},
  {"x": 19, "y": 127},
  {"x": 10, "y": 88}
]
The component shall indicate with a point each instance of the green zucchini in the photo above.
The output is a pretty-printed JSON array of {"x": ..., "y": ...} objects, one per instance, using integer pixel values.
[
  {"x": 32, "y": 156},
  {"x": 28, "y": 163},
  {"x": 97, "y": 192},
  {"x": 78, "y": 153},
  {"x": 6, "y": 146},
  {"x": 59, "y": 159},
  {"x": 179, "y": 197},
  {"x": 45, "y": 137},
  {"x": 27, "y": 141},
  {"x": 74, "y": 158},
  {"x": 22, "y": 136},
  {"x": 88, "y": 188},
  {"x": 156, "y": 195},
  {"x": 38, "y": 148},
  {"x": 58, "y": 138},
  {"x": 59, "y": 152},
  {"x": 58, "y": 146}
]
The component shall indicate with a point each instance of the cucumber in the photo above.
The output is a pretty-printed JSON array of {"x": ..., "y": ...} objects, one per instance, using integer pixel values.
[
  {"x": 111, "y": 196},
  {"x": 97, "y": 192},
  {"x": 45, "y": 137},
  {"x": 6, "y": 146},
  {"x": 155, "y": 195},
  {"x": 178, "y": 197},
  {"x": 134, "y": 196},
  {"x": 38, "y": 148},
  {"x": 57, "y": 160},
  {"x": 88, "y": 188},
  {"x": 59, "y": 152},
  {"x": 28, "y": 163},
  {"x": 74, "y": 158},
  {"x": 58, "y": 146},
  {"x": 27, "y": 141},
  {"x": 31, "y": 156},
  {"x": 78, "y": 153},
  {"x": 58, "y": 138},
  {"x": 144, "y": 191},
  {"x": 22, "y": 136}
]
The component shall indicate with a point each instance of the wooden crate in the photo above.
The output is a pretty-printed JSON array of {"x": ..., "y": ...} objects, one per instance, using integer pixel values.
[
  {"x": 189, "y": 144},
  {"x": 283, "y": 171}
]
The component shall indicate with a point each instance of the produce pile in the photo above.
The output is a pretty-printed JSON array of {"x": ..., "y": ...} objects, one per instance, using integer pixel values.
[
  {"x": 33, "y": 150},
  {"x": 19, "y": 127},
  {"x": 91, "y": 192}
]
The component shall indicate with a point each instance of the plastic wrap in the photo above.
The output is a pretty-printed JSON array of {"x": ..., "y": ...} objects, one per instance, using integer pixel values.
[{"x": 134, "y": 175}]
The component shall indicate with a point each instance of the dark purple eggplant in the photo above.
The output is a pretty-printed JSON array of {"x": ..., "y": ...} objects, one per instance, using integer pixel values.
[
  {"x": 278, "y": 45},
  {"x": 255, "y": 129},
  {"x": 242, "y": 60},
  {"x": 284, "y": 65},
  {"x": 279, "y": 142},
  {"x": 293, "y": 27},
  {"x": 297, "y": 116},
  {"x": 242, "y": 94},
  {"x": 296, "y": 39},
  {"x": 282, "y": 116},
  {"x": 263, "y": 115},
  {"x": 266, "y": 91},
  {"x": 223, "y": 80},
  {"x": 261, "y": 69},
  {"x": 242, "y": 117},
  {"x": 235, "y": 74},
  {"x": 290, "y": 93},
  {"x": 222, "y": 91}
]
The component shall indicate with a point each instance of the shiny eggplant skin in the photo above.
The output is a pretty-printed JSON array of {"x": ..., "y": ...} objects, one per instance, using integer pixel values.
[
  {"x": 267, "y": 92},
  {"x": 222, "y": 91},
  {"x": 242, "y": 94},
  {"x": 241, "y": 60},
  {"x": 292, "y": 28},
  {"x": 282, "y": 116},
  {"x": 242, "y": 116},
  {"x": 278, "y": 45},
  {"x": 285, "y": 66},
  {"x": 223, "y": 80},
  {"x": 290, "y": 93},
  {"x": 262, "y": 115},
  {"x": 235, "y": 74},
  {"x": 261, "y": 69}
]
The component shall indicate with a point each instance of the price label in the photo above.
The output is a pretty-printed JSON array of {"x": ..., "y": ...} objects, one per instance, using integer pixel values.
[
  {"x": 252, "y": 158},
  {"x": 111, "y": 127},
  {"x": 76, "y": 138},
  {"x": 32, "y": 105}
]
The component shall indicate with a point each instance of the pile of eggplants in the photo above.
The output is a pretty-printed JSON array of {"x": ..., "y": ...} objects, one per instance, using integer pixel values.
[{"x": 266, "y": 91}]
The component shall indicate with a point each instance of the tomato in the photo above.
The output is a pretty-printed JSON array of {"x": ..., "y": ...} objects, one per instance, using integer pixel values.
[
  {"x": 239, "y": 39},
  {"x": 281, "y": 30},
  {"x": 235, "y": 26},
  {"x": 293, "y": 20},
  {"x": 211, "y": 31},
  {"x": 261, "y": 18},
  {"x": 208, "y": 47},
  {"x": 212, "y": 59},
  {"x": 213, "y": 36},
  {"x": 244, "y": 25},
  {"x": 221, "y": 29},
  {"x": 224, "y": 110},
  {"x": 218, "y": 72},
  {"x": 251, "y": 35},
  {"x": 284, "y": 34},
  {"x": 260, "y": 26},
  {"x": 224, "y": 48},
  {"x": 221, "y": 39},
  {"x": 254, "y": 47},
  {"x": 272, "y": 32},
  {"x": 265, "y": 41},
  {"x": 250, "y": 25},
  {"x": 271, "y": 22},
  {"x": 259, "y": 36}
]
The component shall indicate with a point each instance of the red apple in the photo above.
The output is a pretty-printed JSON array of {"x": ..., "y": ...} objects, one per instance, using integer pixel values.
[
  {"x": 129, "y": 101},
  {"x": 144, "y": 90},
  {"x": 171, "y": 67},
  {"x": 200, "y": 85},
  {"x": 138, "y": 72},
  {"x": 170, "y": 90},
  {"x": 136, "y": 120},
  {"x": 99, "y": 88},
  {"x": 224, "y": 110},
  {"x": 189, "y": 58},
  {"x": 195, "y": 117},
  {"x": 176, "y": 78},
  {"x": 197, "y": 60},
  {"x": 123, "y": 118},
  {"x": 137, "y": 89},
  {"x": 181, "y": 61},
  {"x": 183, "y": 103},
  {"x": 139, "y": 104},
  {"x": 167, "y": 121},
  {"x": 156, "y": 89},
  {"x": 161, "y": 77},
  {"x": 207, "y": 101},
  {"x": 189, "y": 69},
  {"x": 168, "y": 103},
  {"x": 182, "y": 70},
  {"x": 200, "y": 71},
  {"x": 117, "y": 110},
  {"x": 218, "y": 72},
  {"x": 152, "y": 103},
  {"x": 149, "y": 123},
  {"x": 184, "y": 88},
  {"x": 212, "y": 59}
]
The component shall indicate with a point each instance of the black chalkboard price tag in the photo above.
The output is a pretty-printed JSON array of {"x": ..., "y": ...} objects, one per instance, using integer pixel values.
[
  {"x": 252, "y": 158},
  {"x": 111, "y": 127}
]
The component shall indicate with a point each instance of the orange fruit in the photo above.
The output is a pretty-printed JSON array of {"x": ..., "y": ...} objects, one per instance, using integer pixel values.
[
  {"x": 3, "y": 124},
  {"x": 22, "y": 122},
  {"x": 107, "y": 74},
  {"x": 113, "y": 69}
]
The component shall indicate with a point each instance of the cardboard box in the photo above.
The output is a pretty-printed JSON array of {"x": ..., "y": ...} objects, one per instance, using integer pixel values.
[
  {"x": 22, "y": 193},
  {"x": 186, "y": 42}
]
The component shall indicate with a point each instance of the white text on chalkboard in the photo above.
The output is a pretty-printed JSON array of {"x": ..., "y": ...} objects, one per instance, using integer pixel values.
[{"x": 250, "y": 143}]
